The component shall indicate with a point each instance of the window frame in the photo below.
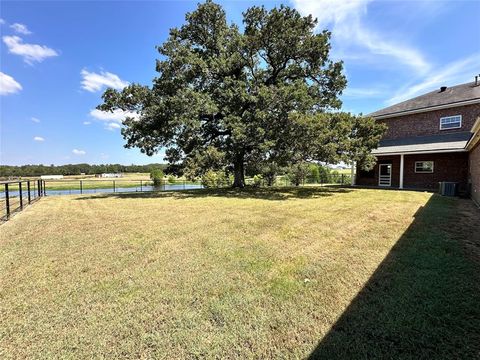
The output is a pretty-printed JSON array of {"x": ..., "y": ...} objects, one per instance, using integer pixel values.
[
  {"x": 450, "y": 117},
  {"x": 422, "y": 171}
]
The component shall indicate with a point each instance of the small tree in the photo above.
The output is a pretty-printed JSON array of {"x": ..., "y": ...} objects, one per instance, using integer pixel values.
[
  {"x": 209, "y": 179},
  {"x": 257, "y": 181},
  {"x": 212, "y": 179},
  {"x": 156, "y": 175},
  {"x": 269, "y": 173},
  {"x": 314, "y": 173},
  {"x": 297, "y": 173},
  {"x": 324, "y": 174}
]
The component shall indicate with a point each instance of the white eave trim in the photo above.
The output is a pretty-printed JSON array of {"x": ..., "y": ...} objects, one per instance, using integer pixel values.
[
  {"x": 419, "y": 152},
  {"x": 476, "y": 135},
  {"x": 427, "y": 109}
]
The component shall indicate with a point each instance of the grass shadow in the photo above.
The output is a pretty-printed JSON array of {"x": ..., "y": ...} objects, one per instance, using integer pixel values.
[
  {"x": 274, "y": 193},
  {"x": 423, "y": 301}
]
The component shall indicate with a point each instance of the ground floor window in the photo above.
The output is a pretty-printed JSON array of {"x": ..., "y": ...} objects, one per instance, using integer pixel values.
[{"x": 424, "y": 166}]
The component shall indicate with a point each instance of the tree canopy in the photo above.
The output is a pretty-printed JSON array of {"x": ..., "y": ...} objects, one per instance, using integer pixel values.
[{"x": 226, "y": 98}]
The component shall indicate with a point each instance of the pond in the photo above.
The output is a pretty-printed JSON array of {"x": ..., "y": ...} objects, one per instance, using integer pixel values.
[{"x": 144, "y": 188}]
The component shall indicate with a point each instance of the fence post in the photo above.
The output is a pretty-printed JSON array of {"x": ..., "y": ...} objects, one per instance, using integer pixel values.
[
  {"x": 113, "y": 185},
  {"x": 81, "y": 187},
  {"x": 184, "y": 184},
  {"x": 343, "y": 176},
  {"x": 28, "y": 189},
  {"x": 141, "y": 185},
  {"x": 44, "y": 189},
  {"x": 38, "y": 188},
  {"x": 7, "y": 201},
  {"x": 20, "y": 194}
]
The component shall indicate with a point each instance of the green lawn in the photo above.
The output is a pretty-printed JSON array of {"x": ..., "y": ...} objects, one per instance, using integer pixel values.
[{"x": 281, "y": 273}]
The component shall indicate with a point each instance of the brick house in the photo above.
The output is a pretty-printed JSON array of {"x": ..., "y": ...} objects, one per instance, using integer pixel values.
[{"x": 430, "y": 138}]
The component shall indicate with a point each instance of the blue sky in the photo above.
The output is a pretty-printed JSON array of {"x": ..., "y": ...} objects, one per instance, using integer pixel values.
[{"x": 58, "y": 56}]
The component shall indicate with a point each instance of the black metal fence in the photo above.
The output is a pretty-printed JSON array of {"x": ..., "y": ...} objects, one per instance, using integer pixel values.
[
  {"x": 92, "y": 186},
  {"x": 86, "y": 186},
  {"x": 282, "y": 181},
  {"x": 16, "y": 195}
]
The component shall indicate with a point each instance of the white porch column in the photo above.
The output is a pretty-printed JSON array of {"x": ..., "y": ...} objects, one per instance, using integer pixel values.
[
  {"x": 353, "y": 173},
  {"x": 401, "y": 172}
]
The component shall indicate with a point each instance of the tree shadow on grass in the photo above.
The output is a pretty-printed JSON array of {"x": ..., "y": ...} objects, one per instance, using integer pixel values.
[
  {"x": 274, "y": 193},
  {"x": 423, "y": 301}
]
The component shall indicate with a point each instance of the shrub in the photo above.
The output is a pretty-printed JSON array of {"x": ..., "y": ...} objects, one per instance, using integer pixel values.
[
  {"x": 297, "y": 173},
  {"x": 257, "y": 180},
  {"x": 313, "y": 173},
  {"x": 212, "y": 179},
  {"x": 222, "y": 179},
  {"x": 209, "y": 179},
  {"x": 269, "y": 173},
  {"x": 156, "y": 175},
  {"x": 324, "y": 174},
  {"x": 171, "y": 179},
  {"x": 336, "y": 177}
]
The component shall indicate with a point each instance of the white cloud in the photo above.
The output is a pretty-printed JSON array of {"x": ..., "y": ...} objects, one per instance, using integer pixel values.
[
  {"x": 94, "y": 82},
  {"x": 115, "y": 116},
  {"x": 345, "y": 18},
  {"x": 29, "y": 52},
  {"x": 2, "y": 21},
  {"x": 328, "y": 11},
  {"x": 35, "y": 120},
  {"x": 112, "y": 126},
  {"x": 78, "y": 152},
  {"x": 363, "y": 92},
  {"x": 87, "y": 122},
  {"x": 104, "y": 156},
  {"x": 454, "y": 73},
  {"x": 8, "y": 85},
  {"x": 39, "y": 139},
  {"x": 21, "y": 29}
]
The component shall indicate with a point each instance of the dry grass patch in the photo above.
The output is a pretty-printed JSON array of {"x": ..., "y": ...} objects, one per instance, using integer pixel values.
[{"x": 202, "y": 274}]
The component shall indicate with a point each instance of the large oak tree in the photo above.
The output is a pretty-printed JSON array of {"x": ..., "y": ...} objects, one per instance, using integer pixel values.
[{"x": 225, "y": 98}]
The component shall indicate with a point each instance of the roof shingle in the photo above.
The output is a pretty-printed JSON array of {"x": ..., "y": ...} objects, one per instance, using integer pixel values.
[
  {"x": 451, "y": 95},
  {"x": 443, "y": 142}
]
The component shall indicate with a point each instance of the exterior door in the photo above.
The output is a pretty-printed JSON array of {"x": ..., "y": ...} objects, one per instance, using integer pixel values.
[{"x": 385, "y": 175}]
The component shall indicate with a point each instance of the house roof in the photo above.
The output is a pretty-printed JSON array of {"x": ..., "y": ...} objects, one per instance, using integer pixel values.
[
  {"x": 458, "y": 95},
  {"x": 431, "y": 143}
]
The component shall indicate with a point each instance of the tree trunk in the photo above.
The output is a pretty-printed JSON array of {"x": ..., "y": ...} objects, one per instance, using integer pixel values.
[{"x": 238, "y": 172}]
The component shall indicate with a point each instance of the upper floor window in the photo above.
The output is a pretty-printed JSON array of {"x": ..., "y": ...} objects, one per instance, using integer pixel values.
[
  {"x": 451, "y": 122},
  {"x": 424, "y": 166}
]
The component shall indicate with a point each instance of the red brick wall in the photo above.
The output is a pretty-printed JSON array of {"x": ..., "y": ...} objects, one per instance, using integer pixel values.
[
  {"x": 394, "y": 160},
  {"x": 474, "y": 167},
  {"x": 428, "y": 123},
  {"x": 447, "y": 167}
]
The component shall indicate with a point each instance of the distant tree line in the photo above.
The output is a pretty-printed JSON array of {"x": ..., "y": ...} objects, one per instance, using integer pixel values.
[{"x": 73, "y": 169}]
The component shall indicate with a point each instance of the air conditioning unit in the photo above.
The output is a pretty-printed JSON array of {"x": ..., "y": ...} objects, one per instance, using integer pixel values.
[{"x": 448, "y": 188}]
